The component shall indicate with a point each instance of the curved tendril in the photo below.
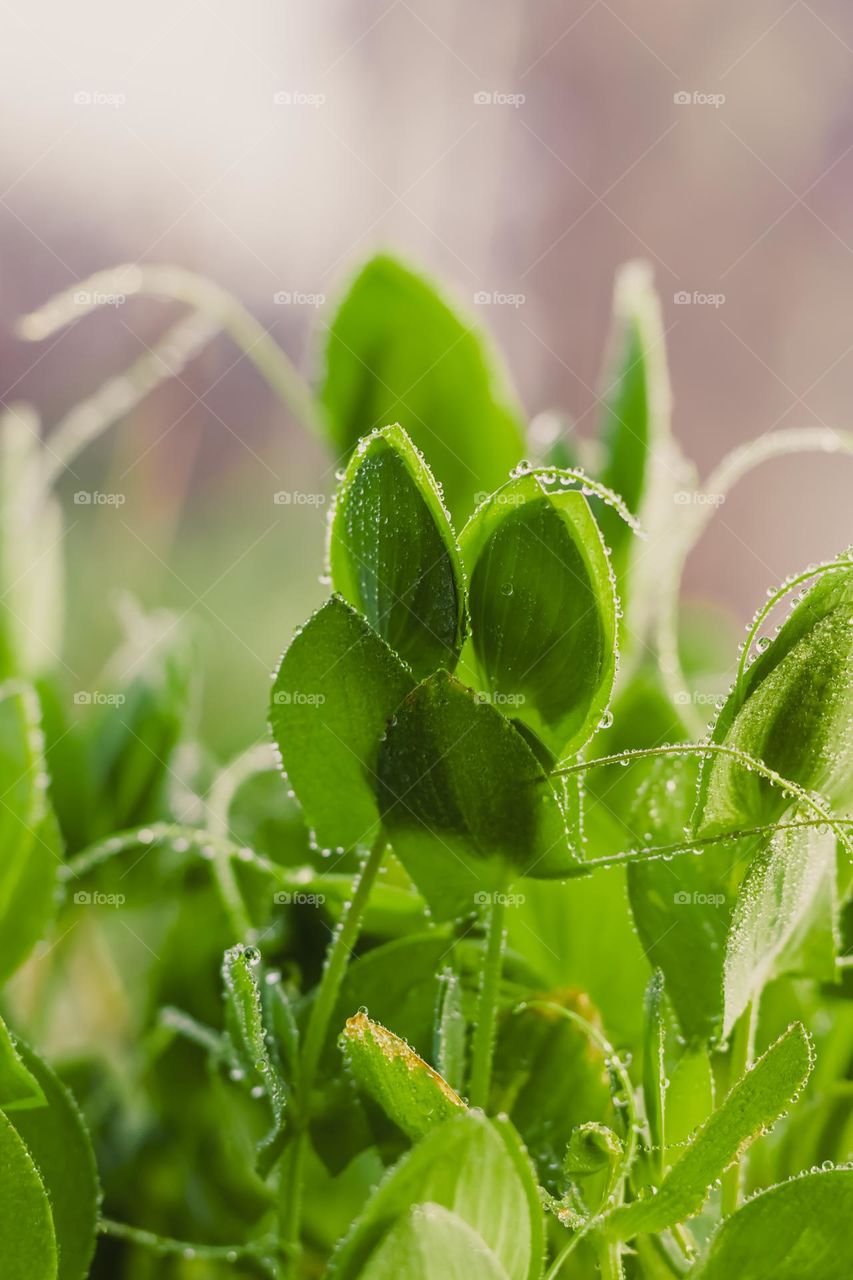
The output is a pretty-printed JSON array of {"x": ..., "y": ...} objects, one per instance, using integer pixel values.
[
  {"x": 166, "y": 1245},
  {"x": 733, "y": 467},
  {"x": 703, "y": 749},
  {"x": 610, "y": 496},
  {"x": 120, "y": 394},
  {"x": 784, "y": 590},
  {"x": 206, "y": 298},
  {"x": 259, "y": 758}
]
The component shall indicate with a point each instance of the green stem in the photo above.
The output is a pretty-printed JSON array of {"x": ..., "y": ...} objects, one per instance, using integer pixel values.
[
  {"x": 743, "y": 1052},
  {"x": 484, "y": 1032},
  {"x": 166, "y": 1246},
  {"x": 337, "y": 959}
]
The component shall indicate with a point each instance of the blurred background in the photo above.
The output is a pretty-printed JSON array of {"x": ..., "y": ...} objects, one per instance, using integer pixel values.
[{"x": 507, "y": 148}]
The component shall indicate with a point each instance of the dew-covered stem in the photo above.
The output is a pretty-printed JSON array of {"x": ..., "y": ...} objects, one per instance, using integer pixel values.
[
  {"x": 743, "y": 1053},
  {"x": 338, "y": 956},
  {"x": 484, "y": 1031}
]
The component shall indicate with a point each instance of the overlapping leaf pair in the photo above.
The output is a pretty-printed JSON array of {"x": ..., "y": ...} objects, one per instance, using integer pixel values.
[{"x": 372, "y": 726}]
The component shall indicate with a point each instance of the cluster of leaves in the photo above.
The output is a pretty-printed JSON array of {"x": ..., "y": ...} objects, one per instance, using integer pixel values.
[{"x": 509, "y": 977}]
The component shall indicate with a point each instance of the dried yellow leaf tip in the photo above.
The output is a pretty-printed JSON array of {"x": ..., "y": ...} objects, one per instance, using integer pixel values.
[{"x": 407, "y": 1089}]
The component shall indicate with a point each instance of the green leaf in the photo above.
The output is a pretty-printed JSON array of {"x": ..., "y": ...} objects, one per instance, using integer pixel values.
[
  {"x": 792, "y": 709},
  {"x": 396, "y": 352},
  {"x": 59, "y": 1143},
  {"x": 407, "y": 1089},
  {"x": 244, "y": 1022},
  {"x": 466, "y": 804},
  {"x": 478, "y": 1170},
  {"x": 450, "y": 1031},
  {"x": 27, "y": 1237},
  {"x": 543, "y": 610},
  {"x": 689, "y": 1100},
  {"x": 682, "y": 907},
  {"x": 654, "y": 1072},
  {"x": 29, "y": 837},
  {"x": 549, "y": 1076},
  {"x": 431, "y": 1243},
  {"x": 393, "y": 553},
  {"x": 787, "y": 895},
  {"x": 19, "y": 1088},
  {"x": 799, "y": 1230},
  {"x": 336, "y": 688},
  {"x": 755, "y": 1102},
  {"x": 31, "y": 568},
  {"x": 636, "y": 405}
]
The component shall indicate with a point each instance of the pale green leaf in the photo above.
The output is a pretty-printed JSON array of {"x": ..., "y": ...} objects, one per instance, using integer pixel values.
[
  {"x": 755, "y": 1102},
  {"x": 27, "y": 1239},
  {"x": 431, "y": 1243}
]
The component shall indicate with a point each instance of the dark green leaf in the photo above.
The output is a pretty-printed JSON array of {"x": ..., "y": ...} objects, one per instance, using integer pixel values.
[
  {"x": 396, "y": 352},
  {"x": 478, "y": 1170},
  {"x": 393, "y": 554},
  {"x": 543, "y": 610},
  {"x": 792, "y": 709},
  {"x": 797, "y": 1231},
  {"x": 59, "y": 1143},
  {"x": 407, "y": 1089},
  {"x": 335, "y": 690},
  {"x": 466, "y": 804},
  {"x": 27, "y": 1238},
  {"x": 755, "y": 1102},
  {"x": 29, "y": 838}
]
